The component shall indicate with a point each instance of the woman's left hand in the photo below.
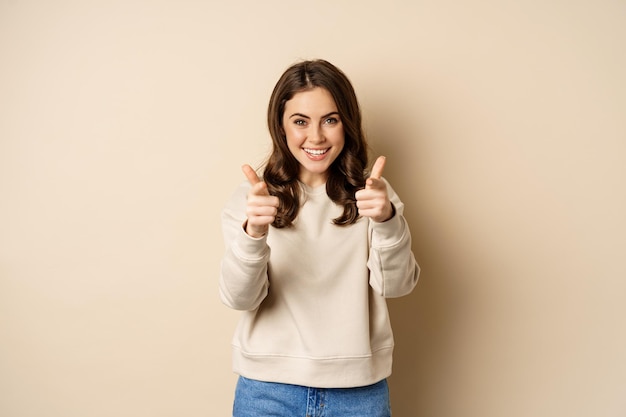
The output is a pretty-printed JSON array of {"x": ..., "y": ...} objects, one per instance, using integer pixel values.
[{"x": 373, "y": 201}]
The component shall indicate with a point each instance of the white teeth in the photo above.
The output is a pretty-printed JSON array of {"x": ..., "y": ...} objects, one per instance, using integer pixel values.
[{"x": 316, "y": 151}]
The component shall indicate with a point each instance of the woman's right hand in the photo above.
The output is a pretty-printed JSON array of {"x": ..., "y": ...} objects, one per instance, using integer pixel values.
[{"x": 261, "y": 207}]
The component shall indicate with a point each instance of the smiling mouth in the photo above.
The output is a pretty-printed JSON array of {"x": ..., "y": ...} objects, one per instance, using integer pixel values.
[{"x": 315, "y": 152}]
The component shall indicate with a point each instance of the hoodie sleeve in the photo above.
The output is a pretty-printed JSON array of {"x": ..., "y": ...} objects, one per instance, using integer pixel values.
[
  {"x": 243, "y": 282},
  {"x": 393, "y": 269}
]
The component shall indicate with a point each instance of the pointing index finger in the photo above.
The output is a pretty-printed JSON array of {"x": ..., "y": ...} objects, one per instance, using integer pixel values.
[
  {"x": 377, "y": 169},
  {"x": 250, "y": 174}
]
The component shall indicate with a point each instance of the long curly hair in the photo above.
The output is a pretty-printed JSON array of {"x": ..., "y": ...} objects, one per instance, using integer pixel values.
[{"x": 346, "y": 174}]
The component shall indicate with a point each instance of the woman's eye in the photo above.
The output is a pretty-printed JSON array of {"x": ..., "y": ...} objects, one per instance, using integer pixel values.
[
  {"x": 331, "y": 121},
  {"x": 300, "y": 122}
]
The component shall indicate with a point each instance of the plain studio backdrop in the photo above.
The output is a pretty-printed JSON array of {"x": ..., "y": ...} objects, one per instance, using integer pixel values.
[{"x": 123, "y": 126}]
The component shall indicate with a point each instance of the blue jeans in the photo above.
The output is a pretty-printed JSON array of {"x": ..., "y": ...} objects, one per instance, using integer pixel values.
[{"x": 268, "y": 399}]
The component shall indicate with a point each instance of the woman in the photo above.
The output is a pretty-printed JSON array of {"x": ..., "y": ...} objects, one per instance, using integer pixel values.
[{"x": 312, "y": 251}]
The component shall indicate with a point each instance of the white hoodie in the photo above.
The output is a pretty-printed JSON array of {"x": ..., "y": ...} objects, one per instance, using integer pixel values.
[{"x": 314, "y": 294}]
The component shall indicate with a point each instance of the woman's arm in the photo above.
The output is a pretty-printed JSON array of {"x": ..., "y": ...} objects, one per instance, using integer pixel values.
[
  {"x": 393, "y": 269},
  {"x": 243, "y": 282}
]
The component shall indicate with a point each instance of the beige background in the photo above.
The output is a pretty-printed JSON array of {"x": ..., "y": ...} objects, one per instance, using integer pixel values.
[{"x": 123, "y": 126}]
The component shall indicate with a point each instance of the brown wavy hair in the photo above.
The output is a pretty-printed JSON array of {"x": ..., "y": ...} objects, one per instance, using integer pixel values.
[{"x": 346, "y": 174}]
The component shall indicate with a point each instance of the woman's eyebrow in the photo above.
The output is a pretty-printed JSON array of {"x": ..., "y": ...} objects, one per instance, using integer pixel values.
[
  {"x": 299, "y": 115},
  {"x": 307, "y": 117},
  {"x": 332, "y": 113}
]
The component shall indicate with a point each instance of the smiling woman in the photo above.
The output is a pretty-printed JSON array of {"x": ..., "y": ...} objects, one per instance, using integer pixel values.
[
  {"x": 301, "y": 86},
  {"x": 314, "y": 133},
  {"x": 315, "y": 332}
]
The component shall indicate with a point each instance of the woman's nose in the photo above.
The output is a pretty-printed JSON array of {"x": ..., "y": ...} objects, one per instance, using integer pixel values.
[{"x": 316, "y": 135}]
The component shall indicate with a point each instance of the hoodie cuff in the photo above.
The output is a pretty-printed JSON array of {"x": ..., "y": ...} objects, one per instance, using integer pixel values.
[
  {"x": 249, "y": 247},
  {"x": 388, "y": 233}
]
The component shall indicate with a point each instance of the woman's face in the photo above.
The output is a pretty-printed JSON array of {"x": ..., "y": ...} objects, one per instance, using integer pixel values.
[{"x": 314, "y": 133}]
